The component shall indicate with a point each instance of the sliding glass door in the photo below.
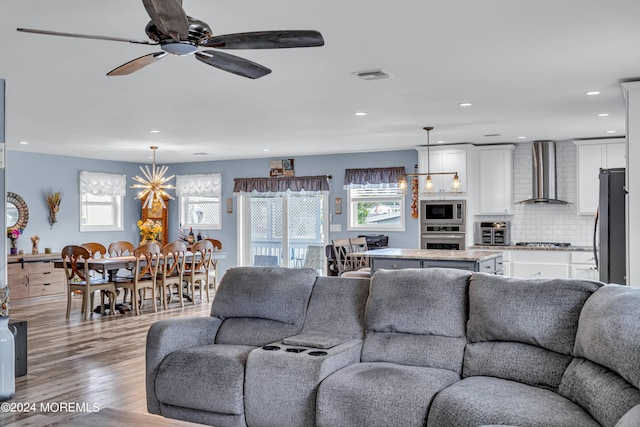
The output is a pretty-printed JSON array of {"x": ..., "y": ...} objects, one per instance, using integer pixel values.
[{"x": 287, "y": 230}]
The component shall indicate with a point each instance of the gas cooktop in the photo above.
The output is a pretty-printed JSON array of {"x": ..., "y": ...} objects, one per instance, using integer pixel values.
[{"x": 544, "y": 244}]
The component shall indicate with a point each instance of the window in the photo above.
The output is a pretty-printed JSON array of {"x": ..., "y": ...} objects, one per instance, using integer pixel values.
[
  {"x": 200, "y": 201},
  {"x": 101, "y": 201},
  {"x": 376, "y": 209},
  {"x": 375, "y": 202},
  {"x": 200, "y": 212}
]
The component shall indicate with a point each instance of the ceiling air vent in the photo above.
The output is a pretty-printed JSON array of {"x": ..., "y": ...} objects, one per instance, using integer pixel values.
[{"x": 373, "y": 75}]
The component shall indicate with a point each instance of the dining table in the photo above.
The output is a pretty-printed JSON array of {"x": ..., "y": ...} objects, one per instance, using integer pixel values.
[{"x": 113, "y": 264}]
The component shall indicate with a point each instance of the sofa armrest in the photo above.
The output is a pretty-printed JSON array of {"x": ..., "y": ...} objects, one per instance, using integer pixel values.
[
  {"x": 281, "y": 381},
  {"x": 165, "y": 337}
]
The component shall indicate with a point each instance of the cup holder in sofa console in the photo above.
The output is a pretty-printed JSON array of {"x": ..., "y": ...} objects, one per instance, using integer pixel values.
[
  {"x": 295, "y": 350},
  {"x": 270, "y": 347},
  {"x": 318, "y": 353}
]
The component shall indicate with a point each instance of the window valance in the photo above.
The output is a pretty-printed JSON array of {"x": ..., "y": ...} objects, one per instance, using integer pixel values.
[
  {"x": 373, "y": 177},
  {"x": 103, "y": 184},
  {"x": 198, "y": 185},
  {"x": 273, "y": 186}
]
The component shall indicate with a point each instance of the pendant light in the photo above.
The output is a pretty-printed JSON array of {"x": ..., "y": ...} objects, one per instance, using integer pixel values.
[
  {"x": 153, "y": 185},
  {"x": 429, "y": 181}
]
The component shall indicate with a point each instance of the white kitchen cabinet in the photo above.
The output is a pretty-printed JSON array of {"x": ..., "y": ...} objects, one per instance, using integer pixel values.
[
  {"x": 444, "y": 159},
  {"x": 539, "y": 264},
  {"x": 583, "y": 266},
  {"x": 495, "y": 191},
  {"x": 593, "y": 155}
]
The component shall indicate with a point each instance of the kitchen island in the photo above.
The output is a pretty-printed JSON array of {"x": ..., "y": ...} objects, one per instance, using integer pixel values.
[{"x": 395, "y": 258}]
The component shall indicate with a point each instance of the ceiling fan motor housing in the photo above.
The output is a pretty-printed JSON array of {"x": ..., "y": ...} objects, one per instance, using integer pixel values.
[{"x": 198, "y": 32}]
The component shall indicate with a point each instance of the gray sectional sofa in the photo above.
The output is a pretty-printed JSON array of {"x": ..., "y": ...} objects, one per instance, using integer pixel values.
[{"x": 414, "y": 347}]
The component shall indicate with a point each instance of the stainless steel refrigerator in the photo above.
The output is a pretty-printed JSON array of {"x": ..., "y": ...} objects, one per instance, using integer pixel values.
[{"x": 610, "y": 227}]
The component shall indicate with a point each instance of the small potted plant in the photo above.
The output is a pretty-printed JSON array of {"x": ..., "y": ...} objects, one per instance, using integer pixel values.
[{"x": 13, "y": 234}]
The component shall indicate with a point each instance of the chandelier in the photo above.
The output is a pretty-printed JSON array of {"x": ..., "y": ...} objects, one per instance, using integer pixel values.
[{"x": 152, "y": 187}]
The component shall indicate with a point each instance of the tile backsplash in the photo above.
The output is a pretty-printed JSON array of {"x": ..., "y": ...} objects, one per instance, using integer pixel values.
[{"x": 548, "y": 223}]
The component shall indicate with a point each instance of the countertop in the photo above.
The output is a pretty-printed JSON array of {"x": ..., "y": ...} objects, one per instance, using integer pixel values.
[
  {"x": 12, "y": 259},
  {"x": 533, "y": 248},
  {"x": 434, "y": 254}
]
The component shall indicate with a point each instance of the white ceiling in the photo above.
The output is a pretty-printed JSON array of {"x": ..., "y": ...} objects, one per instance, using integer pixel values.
[{"x": 525, "y": 66}]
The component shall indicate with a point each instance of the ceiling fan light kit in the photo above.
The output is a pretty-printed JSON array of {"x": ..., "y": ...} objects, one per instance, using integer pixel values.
[{"x": 182, "y": 35}]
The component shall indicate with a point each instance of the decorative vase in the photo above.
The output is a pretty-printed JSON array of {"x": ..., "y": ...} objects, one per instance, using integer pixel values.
[
  {"x": 14, "y": 250},
  {"x": 7, "y": 361}
]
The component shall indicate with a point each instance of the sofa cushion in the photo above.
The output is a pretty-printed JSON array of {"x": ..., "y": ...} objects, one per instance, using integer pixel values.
[
  {"x": 609, "y": 331},
  {"x": 524, "y": 363},
  {"x": 476, "y": 401},
  {"x": 337, "y": 306},
  {"x": 417, "y": 317},
  {"x": 539, "y": 312},
  {"x": 259, "y": 305},
  {"x": 198, "y": 377},
  {"x": 379, "y": 394},
  {"x": 280, "y": 294},
  {"x": 604, "y": 393}
]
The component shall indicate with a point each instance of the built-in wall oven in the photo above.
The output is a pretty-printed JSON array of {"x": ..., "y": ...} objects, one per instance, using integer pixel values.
[{"x": 443, "y": 224}]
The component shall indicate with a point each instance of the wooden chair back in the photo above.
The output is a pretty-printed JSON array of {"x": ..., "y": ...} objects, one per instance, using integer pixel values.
[
  {"x": 359, "y": 244},
  {"x": 96, "y": 250},
  {"x": 147, "y": 261},
  {"x": 217, "y": 244},
  {"x": 201, "y": 259},
  {"x": 74, "y": 260},
  {"x": 174, "y": 258},
  {"x": 121, "y": 248},
  {"x": 342, "y": 247}
]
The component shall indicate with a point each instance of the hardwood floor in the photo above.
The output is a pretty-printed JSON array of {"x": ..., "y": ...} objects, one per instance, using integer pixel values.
[{"x": 89, "y": 364}]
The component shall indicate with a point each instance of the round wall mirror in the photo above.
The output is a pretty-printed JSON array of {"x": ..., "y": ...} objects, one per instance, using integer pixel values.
[{"x": 17, "y": 212}]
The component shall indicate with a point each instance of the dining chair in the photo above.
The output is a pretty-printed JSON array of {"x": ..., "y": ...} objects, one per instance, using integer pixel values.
[
  {"x": 122, "y": 248},
  {"x": 78, "y": 277},
  {"x": 144, "y": 276},
  {"x": 342, "y": 250},
  {"x": 314, "y": 258},
  {"x": 217, "y": 244},
  {"x": 96, "y": 250},
  {"x": 197, "y": 271},
  {"x": 174, "y": 256},
  {"x": 213, "y": 272},
  {"x": 359, "y": 244}
]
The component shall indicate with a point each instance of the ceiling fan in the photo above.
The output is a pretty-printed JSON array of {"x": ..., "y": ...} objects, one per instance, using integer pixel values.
[{"x": 182, "y": 35}]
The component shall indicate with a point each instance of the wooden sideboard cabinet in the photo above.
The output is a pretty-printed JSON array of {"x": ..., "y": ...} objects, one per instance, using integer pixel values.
[{"x": 34, "y": 275}]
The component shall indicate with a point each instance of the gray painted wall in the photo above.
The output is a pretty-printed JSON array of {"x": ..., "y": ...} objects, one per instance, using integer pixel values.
[{"x": 34, "y": 175}]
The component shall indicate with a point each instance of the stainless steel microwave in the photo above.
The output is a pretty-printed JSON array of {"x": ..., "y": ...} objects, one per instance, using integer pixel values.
[{"x": 443, "y": 212}]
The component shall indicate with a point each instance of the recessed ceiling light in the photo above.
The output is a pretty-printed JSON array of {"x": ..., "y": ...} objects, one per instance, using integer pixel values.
[
  {"x": 440, "y": 142},
  {"x": 611, "y": 131},
  {"x": 522, "y": 137},
  {"x": 266, "y": 150},
  {"x": 361, "y": 113},
  {"x": 200, "y": 154},
  {"x": 154, "y": 131},
  {"x": 23, "y": 142},
  {"x": 592, "y": 93},
  {"x": 465, "y": 104},
  {"x": 603, "y": 115}
]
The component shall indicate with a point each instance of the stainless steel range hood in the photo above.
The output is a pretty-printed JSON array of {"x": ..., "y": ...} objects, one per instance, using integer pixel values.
[{"x": 544, "y": 174}]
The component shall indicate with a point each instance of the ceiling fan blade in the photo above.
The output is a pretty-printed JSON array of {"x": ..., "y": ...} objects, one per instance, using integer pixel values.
[
  {"x": 266, "y": 40},
  {"x": 136, "y": 64},
  {"x": 169, "y": 17},
  {"x": 83, "y": 36},
  {"x": 233, "y": 64}
]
